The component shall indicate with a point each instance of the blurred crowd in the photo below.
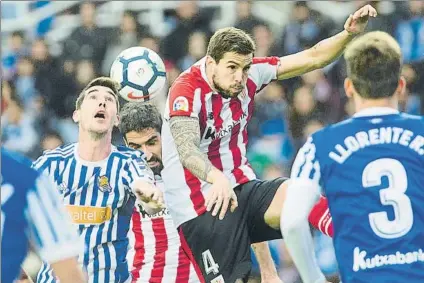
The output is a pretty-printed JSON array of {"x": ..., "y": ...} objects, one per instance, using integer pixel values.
[{"x": 42, "y": 88}]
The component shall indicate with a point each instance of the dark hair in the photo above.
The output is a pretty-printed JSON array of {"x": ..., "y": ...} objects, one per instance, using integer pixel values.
[
  {"x": 101, "y": 81},
  {"x": 52, "y": 134},
  {"x": 374, "y": 63},
  {"x": 230, "y": 40},
  {"x": 136, "y": 116},
  {"x": 18, "y": 34}
]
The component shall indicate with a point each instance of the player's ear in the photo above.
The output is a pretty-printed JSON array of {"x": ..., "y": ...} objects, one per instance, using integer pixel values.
[
  {"x": 75, "y": 116},
  {"x": 116, "y": 122},
  {"x": 210, "y": 60},
  {"x": 349, "y": 88},
  {"x": 400, "y": 90}
]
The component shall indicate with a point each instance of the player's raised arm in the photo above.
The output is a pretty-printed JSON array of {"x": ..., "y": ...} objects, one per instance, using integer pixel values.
[
  {"x": 140, "y": 179},
  {"x": 327, "y": 50},
  {"x": 303, "y": 192},
  {"x": 52, "y": 235}
]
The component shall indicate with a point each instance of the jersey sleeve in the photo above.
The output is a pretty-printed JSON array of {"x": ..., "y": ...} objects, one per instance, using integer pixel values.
[
  {"x": 50, "y": 228},
  {"x": 264, "y": 70},
  {"x": 306, "y": 169},
  {"x": 184, "y": 99},
  {"x": 135, "y": 169}
]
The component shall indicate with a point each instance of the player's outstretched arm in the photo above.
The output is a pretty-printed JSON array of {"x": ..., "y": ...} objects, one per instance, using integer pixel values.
[
  {"x": 327, "y": 50},
  {"x": 186, "y": 133}
]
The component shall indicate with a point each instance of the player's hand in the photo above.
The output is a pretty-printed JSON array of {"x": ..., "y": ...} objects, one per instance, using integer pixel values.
[
  {"x": 221, "y": 195},
  {"x": 148, "y": 194},
  {"x": 357, "y": 22}
]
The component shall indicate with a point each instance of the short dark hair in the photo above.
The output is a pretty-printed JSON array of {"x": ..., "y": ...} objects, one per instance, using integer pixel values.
[
  {"x": 374, "y": 62},
  {"x": 136, "y": 116},
  {"x": 101, "y": 81},
  {"x": 230, "y": 39}
]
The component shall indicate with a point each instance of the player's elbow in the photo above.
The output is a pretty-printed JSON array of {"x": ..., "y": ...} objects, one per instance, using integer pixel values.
[{"x": 291, "y": 224}]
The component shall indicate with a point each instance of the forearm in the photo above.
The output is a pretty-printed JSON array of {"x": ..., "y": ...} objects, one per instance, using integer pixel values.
[
  {"x": 186, "y": 134},
  {"x": 329, "y": 49},
  {"x": 296, "y": 232},
  {"x": 266, "y": 263}
]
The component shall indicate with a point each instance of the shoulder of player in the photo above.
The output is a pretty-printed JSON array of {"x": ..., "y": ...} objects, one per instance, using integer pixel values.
[
  {"x": 62, "y": 151},
  {"x": 189, "y": 80},
  {"x": 15, "y": 166},
  {"x": 417, "y": 118},
  {"x": 273, "y": 60},
  {"x": 128, "y": 153}
]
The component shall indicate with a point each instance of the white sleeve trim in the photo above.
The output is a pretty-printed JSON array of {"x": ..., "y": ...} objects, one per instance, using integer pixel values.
[
  {"x": 301, "y": 196},
  {"x": 55, "y": 253}
]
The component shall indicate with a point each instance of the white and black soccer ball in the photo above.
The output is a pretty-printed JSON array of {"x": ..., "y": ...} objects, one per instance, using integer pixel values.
[{"x": 141, "y": 73}]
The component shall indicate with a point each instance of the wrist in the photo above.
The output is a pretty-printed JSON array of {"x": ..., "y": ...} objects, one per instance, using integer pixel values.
[{"x": 213, "y": 175}]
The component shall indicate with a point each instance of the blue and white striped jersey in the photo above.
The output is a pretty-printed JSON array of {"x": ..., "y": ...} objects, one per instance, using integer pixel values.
[
  {"x": 31, "y": 214},
  {"x": 371, "y": 168},
  {"x": 100, "y": 201}
]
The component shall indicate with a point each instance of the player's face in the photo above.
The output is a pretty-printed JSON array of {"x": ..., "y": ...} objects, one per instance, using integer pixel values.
[
  {"x": 98, "y": 112},
  {"x": 230, "y": 73},
  {"x": 149, "y": 142}
]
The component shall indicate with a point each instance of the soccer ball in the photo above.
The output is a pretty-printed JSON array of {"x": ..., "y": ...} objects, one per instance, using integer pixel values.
[{"x": 141, "y": 73}]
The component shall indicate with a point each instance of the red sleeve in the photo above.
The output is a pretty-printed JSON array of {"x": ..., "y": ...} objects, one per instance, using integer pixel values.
[
  {"x": 320, "y": 217},
  {"x": 183, "y": 99}
]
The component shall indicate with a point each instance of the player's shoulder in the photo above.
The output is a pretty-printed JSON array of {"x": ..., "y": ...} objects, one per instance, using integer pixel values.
[
  {"x": 127, "y": 152},
  {"x": 413, "y": 118},
  {"x": 258, "y": 61},
  {"x": 14, "y": 166},
  {"x": 189, "y": 80},
  {"x": 63, "y": 151}
]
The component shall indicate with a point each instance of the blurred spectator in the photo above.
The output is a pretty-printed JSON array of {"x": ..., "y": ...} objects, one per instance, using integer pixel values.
[
  {"x": 197, "y": 44},
  {"x": 189, "y": 19},
  {"x": 25, "y": 82},
  {"x": 305, "y": 29},
  {"x": 244, "y": 18},
  {"x": 311, "y": 127},
  {"x": 87, "y": 41},
  {"x": 17, "y": 126},
  {"x": 151, "y": 42},
  {"x": 410, "y": 33},
  {"x": 264, "y": 39},
  {"x": 304, "y": 109},
  {"x": 409, "y": 101},
  {"x": 128, "y": 35},
  {"x": 327, "y": 98},
  {"x": 16, "y": 49}
]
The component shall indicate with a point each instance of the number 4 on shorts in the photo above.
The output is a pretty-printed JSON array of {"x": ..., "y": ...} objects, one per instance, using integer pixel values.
[{"x": 209, "y": 263}]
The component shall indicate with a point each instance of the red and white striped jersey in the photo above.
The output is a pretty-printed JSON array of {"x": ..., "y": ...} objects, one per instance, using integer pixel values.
[
  {"x": 223, "y": 124},
  {"x": 155, "y": 253}
]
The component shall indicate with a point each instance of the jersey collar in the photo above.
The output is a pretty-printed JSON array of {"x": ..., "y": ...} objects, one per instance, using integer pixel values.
[{"x": 376, "y": 111}]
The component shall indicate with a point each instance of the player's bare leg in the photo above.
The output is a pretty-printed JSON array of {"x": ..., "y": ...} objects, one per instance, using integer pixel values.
[{"x": 273, "y": 213}]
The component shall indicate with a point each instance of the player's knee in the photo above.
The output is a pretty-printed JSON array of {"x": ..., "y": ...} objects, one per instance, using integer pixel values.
[{"x": 273, "y": 214}]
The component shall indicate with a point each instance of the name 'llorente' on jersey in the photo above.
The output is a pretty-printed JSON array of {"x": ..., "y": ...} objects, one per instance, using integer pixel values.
[
  {"x": 371, "y": 168},
  {"x": 223, "y": 125},
  {"x": 99, "y": 198},
  {"x": 32, "y": 214}
]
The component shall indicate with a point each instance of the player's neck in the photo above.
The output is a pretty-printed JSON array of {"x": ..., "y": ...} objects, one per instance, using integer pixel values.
[
  {"x": 93, "y": 150},
  {"x": 362, "y": 104}
]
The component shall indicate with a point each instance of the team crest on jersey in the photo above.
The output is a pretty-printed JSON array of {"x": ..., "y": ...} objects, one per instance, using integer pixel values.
[
  {"x": 180, "y": 104},
  {"x": 103, "y": 183}
]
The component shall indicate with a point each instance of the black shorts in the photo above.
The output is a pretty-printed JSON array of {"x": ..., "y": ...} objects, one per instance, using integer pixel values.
[{"x": 220, "y": 249}]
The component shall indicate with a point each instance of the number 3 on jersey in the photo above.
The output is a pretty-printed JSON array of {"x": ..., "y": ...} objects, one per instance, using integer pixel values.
[
  {"x": 209, "y": 263},
  {"x": 393, "y": 195}
]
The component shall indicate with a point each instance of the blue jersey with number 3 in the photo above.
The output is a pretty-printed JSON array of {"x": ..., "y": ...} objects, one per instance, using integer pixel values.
[{"x": 371, "y": 168}]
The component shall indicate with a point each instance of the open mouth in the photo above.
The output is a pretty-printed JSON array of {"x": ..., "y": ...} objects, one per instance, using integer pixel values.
[{"x": 100, "y": 115}]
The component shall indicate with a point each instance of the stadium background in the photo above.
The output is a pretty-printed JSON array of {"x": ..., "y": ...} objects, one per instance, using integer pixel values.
[{"x": 50, "y": 50}]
